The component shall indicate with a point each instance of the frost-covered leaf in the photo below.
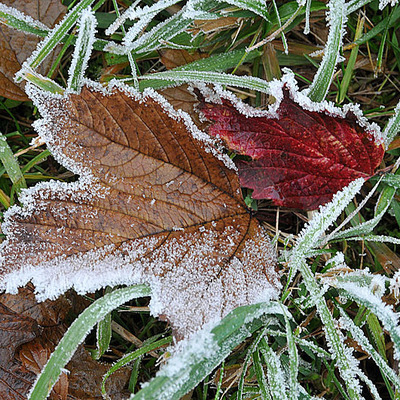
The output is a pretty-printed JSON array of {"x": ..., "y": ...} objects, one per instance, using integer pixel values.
[
  {"x": 16, "y": 46},
  {"x": 301, "y": 154},
  {"x": 154, "y": 204}
]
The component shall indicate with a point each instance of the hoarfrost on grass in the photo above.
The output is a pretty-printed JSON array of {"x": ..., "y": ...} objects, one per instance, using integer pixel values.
[
  {"x": 145, "y": 15},
  {"x": 311, "y": 234},
  {"x": 18, "y": 15},
  {"x": 384, "y": 3},
  {"x": 52, "y": 39},
  {"x": 362, "y": 340},
  {"x": 197, "y": 9},
  {"x": 336, "y": 20},
  {"x": 82, "y": 51},
  {"x": 395, "y": 285},
  {"x": 153, "y": 39},
  {"x": 365, "y": 296}
]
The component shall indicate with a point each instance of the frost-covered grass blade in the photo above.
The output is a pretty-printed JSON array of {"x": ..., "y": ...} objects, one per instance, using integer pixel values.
[
  {"x": 82, "y": 51},
  {"x": 15, "y": 19},
  {"x": 56, "y": 35},
  {"x": 11, "y": 165},
  {"x": 323, "y": 78},
  {"x": 205, "y": 351},
  {"x": 247, "y": 82},
  {"x": 77, "y": 333}
]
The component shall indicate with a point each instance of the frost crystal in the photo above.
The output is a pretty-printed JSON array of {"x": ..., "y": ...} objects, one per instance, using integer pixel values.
[
  {"x": 83, "y": 49},
  {"x": 395, "y": 285},
  {"x": 18, "y": 15},
  {"x": 384, "y": 3}
]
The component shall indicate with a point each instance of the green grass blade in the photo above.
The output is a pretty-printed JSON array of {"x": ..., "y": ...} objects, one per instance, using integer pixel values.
[
  {"x": 82, "y": 51},
  {"x": 76, "y": 334},
  {"x": 364, "y": 296},
  {"x": 155, "y": 38},
  {"x": 162, "y": 32},
  {"x": 15, "y": 19},
  {"x": 134, "y": 375},
  {"x": 215, "y": 63},
  {"x": 355, "y": 5},
  {"x": 376, "y": 238},
  {"x": 377, "y": 334},
  {"x": 201, "y": 354},
  {"x": 386, "y": 23},
  {"x": 324, "y": 76},
  {"x": 104, "y": 333},
  {"x": 392, "y": 180},
  {"x": 261, "y": 379},
  {"x": 293, "y": 360},
  {"x": 130, "y": 357},
  {"x": 308, "y": 12},
  {"x": 145, "y": 15},
  {"x": 4, "y": 199},
  {"x": 364, "y": 228},
  {"x": 278, "y": 18},
  {"x": 310, "y": 238},
  {"x": 41, "y": 81},
  {"x": 41, "y": 156},
  {"x": 11, "y": 165},
  {"x": 336, "y": 344},
  {"x": 247, "y": 82},
  {"x": 274, "y": 371},
  {"x": 359, "y": 336},
  {"x": 392, "y": 128},
  {"x": 344, "y": 85},
  {"x": 256, "y": 6},
  {"x": 56, "y": 35},
  {"x": 246, "y": 363},
  {"x": 221, "y": 376}
]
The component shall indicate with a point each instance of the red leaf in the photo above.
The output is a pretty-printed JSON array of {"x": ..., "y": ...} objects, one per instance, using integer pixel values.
[{"x": 300, "y": 159}]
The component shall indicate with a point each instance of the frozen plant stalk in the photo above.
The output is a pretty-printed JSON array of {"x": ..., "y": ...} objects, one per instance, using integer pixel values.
[
  {"x": 83, "y": 49},
  {"x": 336, "y": 19}
]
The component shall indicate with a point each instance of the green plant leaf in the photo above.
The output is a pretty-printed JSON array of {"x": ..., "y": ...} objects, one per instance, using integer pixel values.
[
  {"x": 76, "y": 334},
  {"x": 324, "y": 76},
  {"x": 199, "y": 356}
]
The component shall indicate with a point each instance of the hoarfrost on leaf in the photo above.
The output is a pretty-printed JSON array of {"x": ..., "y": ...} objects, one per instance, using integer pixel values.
[
  {"x": 153, "y": 204},
  {"x": 301, "y": 152}
]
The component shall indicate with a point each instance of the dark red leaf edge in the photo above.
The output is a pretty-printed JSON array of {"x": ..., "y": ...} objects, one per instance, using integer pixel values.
[{"x": 288, "y": 175}]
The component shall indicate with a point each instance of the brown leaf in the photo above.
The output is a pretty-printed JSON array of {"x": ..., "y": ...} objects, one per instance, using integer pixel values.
[
  {"x": 172, "y": 58},
  {"x": 87, "y": 374},
  {"x": 182, "y": 99},
  {"x": 15, "y": 330},
  {"x": 16, "y": 46},
  {"x": 153, "y": 204},
  {"x": 47, "y": 313},
  {"x": 29, "y": 333},
  {"x": 34, "y": 356}
]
